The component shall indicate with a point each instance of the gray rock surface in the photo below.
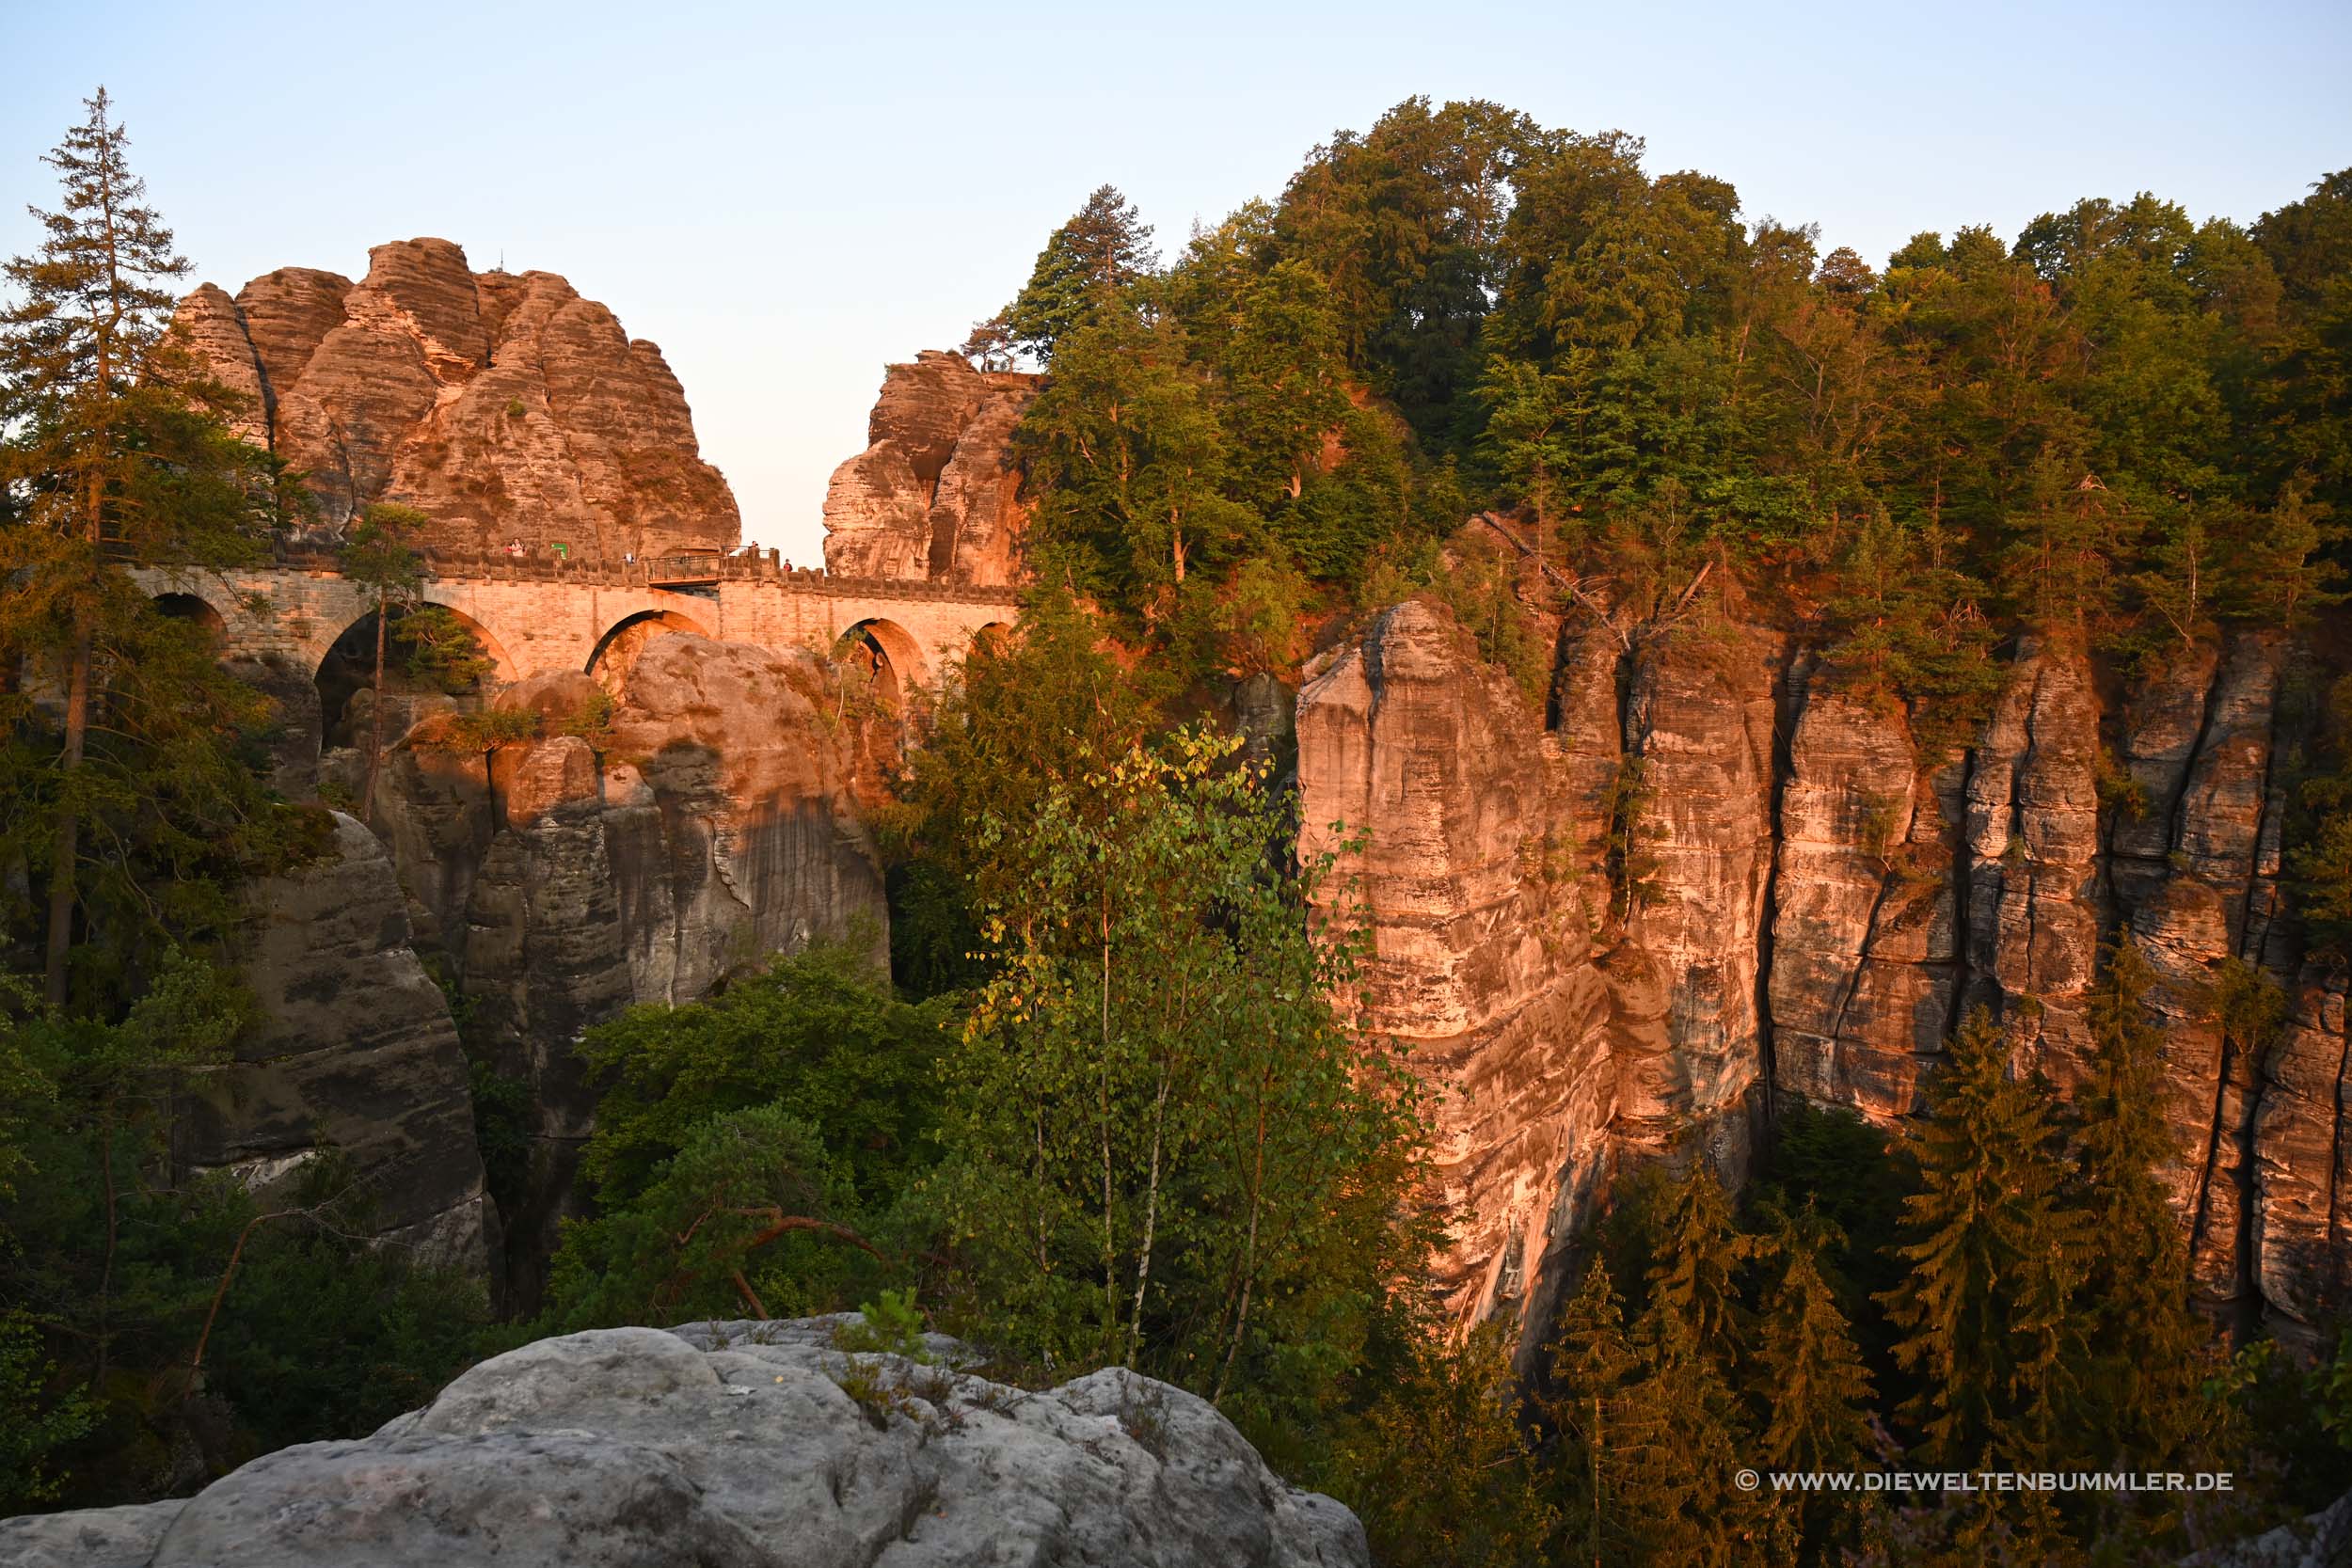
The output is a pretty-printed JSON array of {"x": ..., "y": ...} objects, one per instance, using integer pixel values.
[
  {"x": 355, "y": 1049},
  {"x": 738, "y": 1446},
  {"x": 86, "y": 1538},
  {"x": 2322, "y": 1541}
]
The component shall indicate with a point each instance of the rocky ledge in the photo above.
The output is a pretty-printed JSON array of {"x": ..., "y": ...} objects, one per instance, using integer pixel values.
[{"x": 741, "y": 1445}]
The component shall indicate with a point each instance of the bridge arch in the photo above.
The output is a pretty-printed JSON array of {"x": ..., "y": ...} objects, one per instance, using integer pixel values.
[
  {"x": 197, "y": 610},
  {"x": 889, "y": 654},
  {"x": 615, "y": 653},
  {"x": 346, "y": 662},
  {"x": 503, "y": 671}
]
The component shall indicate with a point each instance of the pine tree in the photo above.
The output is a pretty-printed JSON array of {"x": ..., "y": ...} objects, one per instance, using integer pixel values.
[
  {"x": 113, "y": 453},
  {"x": 382, "y": 563},
  {"x": 1814, "y": 1387},
  {"x": 2142, "y": 1398},
  {"x": 1592, "y": 1365},
  {"x": 1699, "y": 1252},
  {"x": 1994, "y": 1256},
  {"x": 1104, "y": 248}
]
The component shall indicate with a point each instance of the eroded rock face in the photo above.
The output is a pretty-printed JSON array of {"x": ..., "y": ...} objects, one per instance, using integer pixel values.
[
  {"x": 1863, "y": 950},
  {"x": 736, "y": 1446},
  {"x": 504, "y": 406},
  {"x": 556, "y": 881},
  {"x": 1480, "y": 958},
  {"x": 935, "y": 495},
  {"x": 1818, "y": 911},
  {"x": 1699, "y": 721},
  {"x": 729, "y": 811},
  {"x": 355, "y": 1049}
]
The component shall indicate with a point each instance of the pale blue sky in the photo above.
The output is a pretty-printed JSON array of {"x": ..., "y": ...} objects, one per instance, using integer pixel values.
[{"x": 787, "y": 198}]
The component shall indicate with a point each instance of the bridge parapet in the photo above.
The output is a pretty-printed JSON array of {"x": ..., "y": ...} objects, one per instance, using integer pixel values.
[
  {"x": 603, "y": 572},
  {"x": 536, "y": 614}
]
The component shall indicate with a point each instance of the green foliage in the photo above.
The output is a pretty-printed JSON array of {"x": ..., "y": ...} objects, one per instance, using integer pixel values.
[
  {"x": 2319, "y": 861},
  {"x": 116, "y": 1269},
  {"x": 1129, "y": 463},
  {"x": 1404, "y": 222},
  {"x": 889, "y": 1324},
  {"x": 749, "y": 1217},
  {"x": 440, "y": 649},
  {"x": 1811, "y": 1381},
  {"x": 1480, "y": 584},
  {"x": 1649, "y": 1439},
  {"x": 132, "y": 802},
  {"x": 482, "y": 729},
  {"x": 592, "y": 721},
  {"x": 1165, "y": 1149},
  {"x": 1022, "y": 716},
  {"x": 501, "y": 1130},
  {"x": 1441, "y": 1467},
  {"x": 1631, "y": 868},
  {"x": 1986, "y": 1311},
  {"x": 1079, "y": 277},
  {"x": 35, "y": 1421},
  {"x": 321, "y": 1337},
  {"x": 1697, "y": 1255},
  {"x": 803, "y": 1092}
]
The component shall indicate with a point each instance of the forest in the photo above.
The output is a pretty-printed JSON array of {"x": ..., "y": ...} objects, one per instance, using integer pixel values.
[{"x": 1108, "y": 1106}]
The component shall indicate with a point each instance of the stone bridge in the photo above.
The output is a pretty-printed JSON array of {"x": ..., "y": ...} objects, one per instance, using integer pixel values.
[{"x": 539, "y": 614}]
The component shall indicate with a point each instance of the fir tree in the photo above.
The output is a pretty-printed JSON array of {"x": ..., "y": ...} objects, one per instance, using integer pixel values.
[
  {"x": 1814, "y": 1387},
  {"x": 1681, "y": 1500},
  {"x": 2143, "y": 1397},
  {"x": 1593, "y": 1366},
  {"x": 1649, "y": 1439},
  {"x": 383, "y": 563},
  {"x": 115, "y": 454},
  {"x": 1087, "y": 262},
  {"x": 1694, "y": 1279},
  {"x": 1994, "y": 1256}
]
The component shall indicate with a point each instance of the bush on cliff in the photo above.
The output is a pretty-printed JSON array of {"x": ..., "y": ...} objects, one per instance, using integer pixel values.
[
  {"x": 1166, "y": 1147},
  {"x": 777, "y": 1126}
]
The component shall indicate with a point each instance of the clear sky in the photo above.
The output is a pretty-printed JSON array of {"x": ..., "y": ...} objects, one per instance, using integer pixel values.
[{"x": 788, "y": 197}]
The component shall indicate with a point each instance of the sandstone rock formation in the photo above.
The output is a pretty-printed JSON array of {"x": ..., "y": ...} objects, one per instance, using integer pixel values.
[
  {"x": 1714, "y": 865},
  {"x": 711, "y": 822},
  {"x": 1480, "y": 934},
  {"x": 935, "y": 495},
  {"x": 502, "y": 406},
  {"x": 355, "y": 1049},
  {"x": 738, "y": 1446}
]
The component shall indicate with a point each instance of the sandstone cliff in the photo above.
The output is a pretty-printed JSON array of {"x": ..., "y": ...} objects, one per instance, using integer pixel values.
[
  {"x": 554, "y": 882},
  {"x": 935, "y": 495},
  {"x": 356, "y": 1050},
  {"x": 1710, "y": 866},
  {"x": 502, "y": 406},
  {"x": 740, "y": 1446}
]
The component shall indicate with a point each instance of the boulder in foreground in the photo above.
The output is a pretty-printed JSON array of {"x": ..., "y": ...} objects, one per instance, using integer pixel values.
[{"x": 744, "y": 1445}]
